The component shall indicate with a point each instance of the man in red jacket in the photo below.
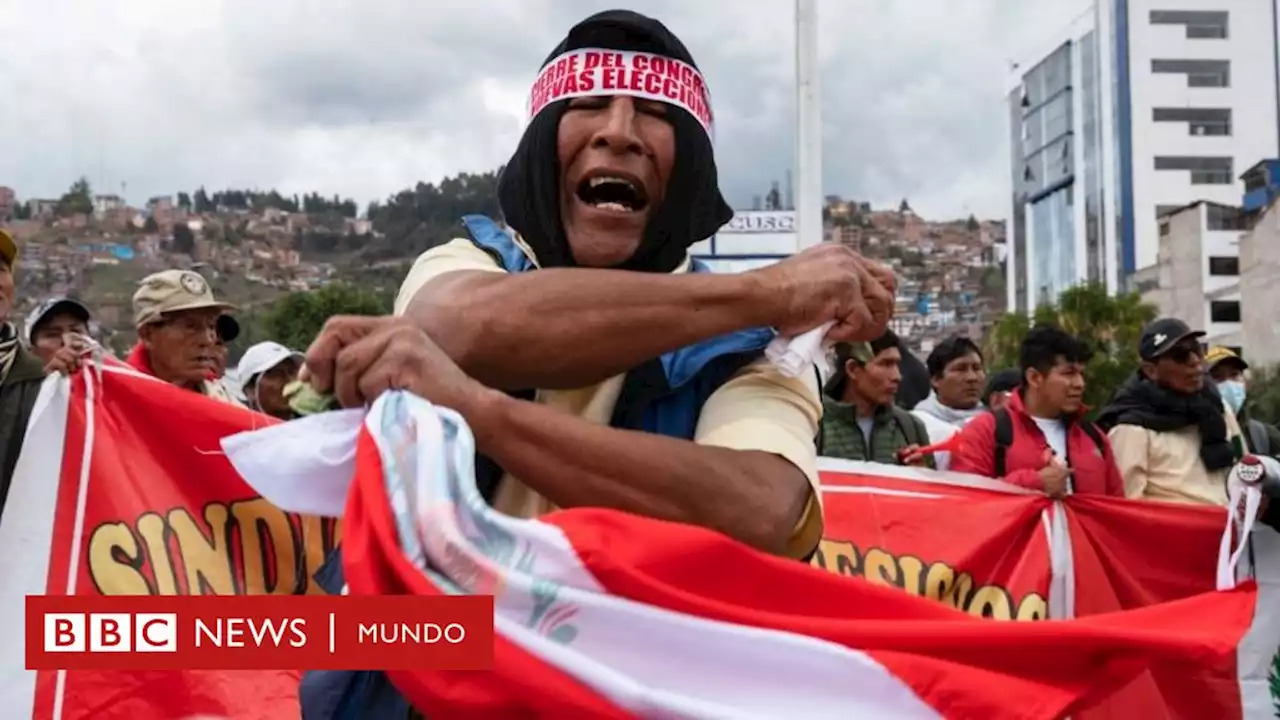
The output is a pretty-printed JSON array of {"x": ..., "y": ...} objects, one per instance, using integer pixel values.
[{"x": 1040, "y": 439}]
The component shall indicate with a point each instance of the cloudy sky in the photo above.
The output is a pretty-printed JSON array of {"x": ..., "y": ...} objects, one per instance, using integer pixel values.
[{"x": 365, "y": 98}]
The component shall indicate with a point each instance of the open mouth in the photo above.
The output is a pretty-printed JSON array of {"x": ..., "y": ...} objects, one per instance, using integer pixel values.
[{"x": 613, "y": 192}]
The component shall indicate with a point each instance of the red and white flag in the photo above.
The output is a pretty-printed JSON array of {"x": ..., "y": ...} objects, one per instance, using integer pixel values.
[
  {"x": 604, "y": 614},
  {"x": 123, "y": 489}
]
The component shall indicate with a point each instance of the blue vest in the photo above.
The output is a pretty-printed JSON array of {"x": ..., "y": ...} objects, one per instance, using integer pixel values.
[{"x": 663, "y": 396}]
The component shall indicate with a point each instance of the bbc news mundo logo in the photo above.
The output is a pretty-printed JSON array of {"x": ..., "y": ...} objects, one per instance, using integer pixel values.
[
  {"x": 110, "y": 632},
  {"x": 259, "y": 632}
]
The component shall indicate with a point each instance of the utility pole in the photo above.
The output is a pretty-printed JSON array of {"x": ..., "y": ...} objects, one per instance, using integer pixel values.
[{"x": 808, "y": 161}]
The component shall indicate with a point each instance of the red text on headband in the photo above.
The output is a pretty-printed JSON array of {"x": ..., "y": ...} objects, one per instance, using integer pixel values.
[{"x": 592, "y": 71}]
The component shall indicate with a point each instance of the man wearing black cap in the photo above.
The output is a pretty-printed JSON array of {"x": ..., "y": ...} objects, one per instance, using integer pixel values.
[
  {"x": 1000, "y": 385},
  {"x": 1173, "y": 438}
]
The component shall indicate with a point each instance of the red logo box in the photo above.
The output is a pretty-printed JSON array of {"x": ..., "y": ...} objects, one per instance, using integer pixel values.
[{"x": 260, "y": 632}]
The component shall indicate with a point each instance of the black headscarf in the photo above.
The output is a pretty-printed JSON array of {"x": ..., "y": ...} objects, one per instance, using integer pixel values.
[
  {"x": 1143, "y": 403},
  {"x": 692, "y": 208}
]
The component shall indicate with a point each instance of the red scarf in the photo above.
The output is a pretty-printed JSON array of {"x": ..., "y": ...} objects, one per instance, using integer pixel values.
[{"x": 140, "y": 360}]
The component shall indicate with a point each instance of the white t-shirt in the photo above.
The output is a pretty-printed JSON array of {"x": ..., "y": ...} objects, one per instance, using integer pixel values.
[{"x": 1055, "y": 432}]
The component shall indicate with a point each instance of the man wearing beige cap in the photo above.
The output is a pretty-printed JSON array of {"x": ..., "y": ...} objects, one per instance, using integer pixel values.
[{"x": 177, "y": 319}]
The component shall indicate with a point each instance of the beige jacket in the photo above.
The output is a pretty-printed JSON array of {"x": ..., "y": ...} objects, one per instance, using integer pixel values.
[{"x": 1166, "y": 465}]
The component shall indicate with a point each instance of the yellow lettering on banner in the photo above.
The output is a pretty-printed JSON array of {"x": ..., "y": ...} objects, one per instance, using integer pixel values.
[
  {"x": 939, "y": 582},
  {"x": 912, "y": 569},
  {"x": 993, "y": 602},
  {"x": 315, "y": 548},
  {"x": 936, "y": 581},
  {"x": 205, "y": 556},
  {"x": 837, "y": 557},
  {"x": 115, "y": 561},
  {"x": 265, "y": 528},
  {"x": 246, "y": 547},
  {"x": 1033, "y": 607},
  {"x": 155, "y": 533},
  {"x": 880, "y": 568}
]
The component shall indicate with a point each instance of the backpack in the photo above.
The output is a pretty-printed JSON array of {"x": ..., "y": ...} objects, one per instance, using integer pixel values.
[
  {"x": 1259, "y": 440},
  {"x": 1004, "y": 438}
]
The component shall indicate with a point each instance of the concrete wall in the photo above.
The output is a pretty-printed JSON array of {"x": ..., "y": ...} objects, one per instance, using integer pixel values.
[
  {"x": 1260, "y": 288},
  {"x": 1180, "y": 257}
]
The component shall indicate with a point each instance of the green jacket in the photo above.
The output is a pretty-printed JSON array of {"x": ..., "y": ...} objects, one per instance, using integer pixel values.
[
  {"x": 892, "y": 429},
  {"x": 18, "y": 395},
  {"x": 1255, "y": 430}
]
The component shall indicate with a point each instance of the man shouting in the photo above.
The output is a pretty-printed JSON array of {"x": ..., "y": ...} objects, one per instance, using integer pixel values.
[
  {"x": 595, "y": 362},
  {"x": 664, "y": 405}
]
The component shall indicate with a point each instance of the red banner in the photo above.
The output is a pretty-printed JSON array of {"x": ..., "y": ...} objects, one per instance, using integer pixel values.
[
  {"x": 147, "y": 505},
  {"x": 984, "y": 547},
  {"x": 123, "y": 482},
  {"x": 978, "y": 550}
]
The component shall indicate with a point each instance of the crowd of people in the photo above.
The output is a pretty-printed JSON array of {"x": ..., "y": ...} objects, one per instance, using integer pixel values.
[
  {"x": 182, "y": 331},
  {"x": 1172, "y": 432},
  {"x": 599, "y": 365}
]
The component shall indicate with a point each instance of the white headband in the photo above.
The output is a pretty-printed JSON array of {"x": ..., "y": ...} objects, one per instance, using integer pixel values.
[{"x": 593, "y": 72}]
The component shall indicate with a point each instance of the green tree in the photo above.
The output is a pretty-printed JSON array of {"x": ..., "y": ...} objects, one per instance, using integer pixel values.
[
  {"x": 201, "y": 200},
  {"x": 1111, "y": 325},
  {"x": 418, "y": 218},
  {"x": 78, "y": 200},
  {"x": 972, "y": 224},
  {"x": 184, "y": 201},
  {"x": 1264, "y": 394},
  {"x": 904, "y": 207},
  {"x": 297, "y": 318},
  {"x": 22, "y": 211},
  {"x": 151, "y": 225}
]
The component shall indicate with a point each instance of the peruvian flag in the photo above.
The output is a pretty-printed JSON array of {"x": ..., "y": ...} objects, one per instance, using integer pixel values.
[{"x": 608, "y": 615}]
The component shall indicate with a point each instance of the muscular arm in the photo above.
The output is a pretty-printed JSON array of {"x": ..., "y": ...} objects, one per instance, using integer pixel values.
[
  {"x": 750, "y": 473},
  {"x": 568, "y": 328},
  {"x": 756, "y": 497}
]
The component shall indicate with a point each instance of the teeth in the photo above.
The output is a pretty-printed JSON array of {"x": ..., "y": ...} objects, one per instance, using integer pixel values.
[
  {"x": 618, "y": 207},
  {"x": 602, "y": 179}
]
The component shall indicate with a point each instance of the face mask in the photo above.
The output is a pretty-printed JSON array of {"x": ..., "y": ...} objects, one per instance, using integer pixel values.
[{"x": 1233, "y": 394}]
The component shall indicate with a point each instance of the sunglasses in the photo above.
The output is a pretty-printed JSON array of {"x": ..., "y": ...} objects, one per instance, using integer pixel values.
[{"x": 1182, "y": 354}]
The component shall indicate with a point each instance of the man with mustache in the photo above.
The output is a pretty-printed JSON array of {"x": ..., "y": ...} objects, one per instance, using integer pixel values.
[
  {"x": 178, "y": 318},
  {"x": 596, "y": 363}
]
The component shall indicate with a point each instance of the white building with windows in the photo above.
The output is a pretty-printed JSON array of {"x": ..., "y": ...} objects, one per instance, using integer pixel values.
[
  {"x": 1138, "y": 108},
  {"x": 752, "y": 239}
]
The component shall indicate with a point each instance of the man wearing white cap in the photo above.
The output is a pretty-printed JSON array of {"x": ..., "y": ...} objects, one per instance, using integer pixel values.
[
  {"x": 58, "y": 333},
  {"x": 263, "y": 372}
]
